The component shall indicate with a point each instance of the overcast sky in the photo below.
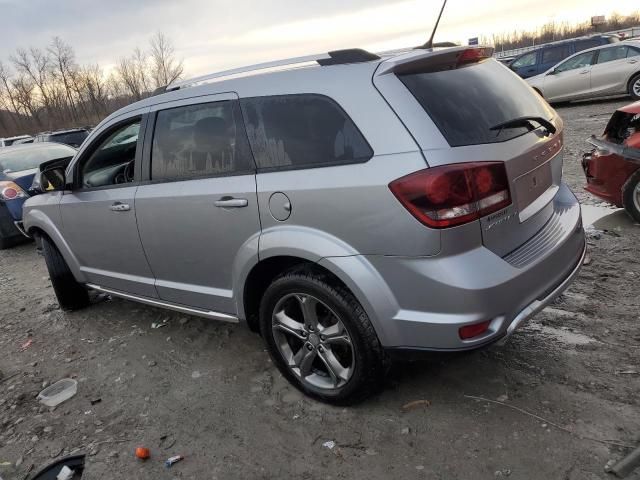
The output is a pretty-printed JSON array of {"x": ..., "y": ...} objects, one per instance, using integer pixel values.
[{"x": 215, "y": 34}]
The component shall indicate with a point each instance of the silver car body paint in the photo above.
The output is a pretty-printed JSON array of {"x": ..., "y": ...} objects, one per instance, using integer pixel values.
[
  {"x": 172, "y": 247},
  {"x": 598, "y": 80}
]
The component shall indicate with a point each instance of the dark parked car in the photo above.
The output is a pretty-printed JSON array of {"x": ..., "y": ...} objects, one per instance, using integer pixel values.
[
  {"x": 73, "y": 137},
  {"x": 18, "y": 165},
  {"x": 546, "y": 56},
  {"x": 613, "y": 166}
]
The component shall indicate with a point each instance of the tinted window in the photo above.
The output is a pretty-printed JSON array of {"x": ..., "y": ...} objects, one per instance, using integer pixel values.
[
  {"x": 74, "y": 139},
  {"x": 112, "y": 162},
  {"x": 18, "y": 159},
  {"x": 632, "y": 52},
  {"x": 555, "y": 54},
  {"x": 302, "y": 131},
  {"x": 465, "y": 103},
  {"x": 525, "y": 60},
  {"x": 585, "y": 44},
  {"x": 199, "y": 140},
  {"x": 612, "y": 53},
  {"x": 579, "y": 61}
]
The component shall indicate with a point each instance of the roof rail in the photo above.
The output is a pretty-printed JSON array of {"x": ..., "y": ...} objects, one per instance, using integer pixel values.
[{"x": 337, "y": 57}]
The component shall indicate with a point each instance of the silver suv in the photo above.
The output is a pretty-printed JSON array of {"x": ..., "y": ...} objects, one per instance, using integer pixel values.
[{"x": 344, "y": 206}]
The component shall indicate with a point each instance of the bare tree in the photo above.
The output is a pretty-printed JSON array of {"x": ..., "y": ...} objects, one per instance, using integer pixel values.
[
  {"x": 7, "y": 90},
  {"x": 48, "y": 88},
  {"x": 165, "y": 68},
  {"x": 35, "y": 65},
  {"x": 64, "y": 60},
  {"x": 23, "y": 88},
  {"x": 133, "y": 72}
]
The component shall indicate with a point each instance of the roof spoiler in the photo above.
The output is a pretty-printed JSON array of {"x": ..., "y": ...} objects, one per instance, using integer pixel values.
[{"x": 434, "y": 60}]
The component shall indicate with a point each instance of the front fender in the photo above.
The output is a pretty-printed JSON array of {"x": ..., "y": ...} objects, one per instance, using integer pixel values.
[{"x": 35, "y": 219}]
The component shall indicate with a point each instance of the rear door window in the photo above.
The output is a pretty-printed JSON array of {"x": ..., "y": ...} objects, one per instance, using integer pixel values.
[
  {"x": 555, "y": 54},
  {"x": 465, "y": 103},
  {"x": 202, "y": 140},
  {"x": 301, "y": 131},
  {"x": 612, "y": 54}
]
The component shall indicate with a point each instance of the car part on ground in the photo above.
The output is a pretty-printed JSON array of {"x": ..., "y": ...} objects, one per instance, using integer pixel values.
[
  {"x": 342, "y": 204},
  {"x": 612, "y": 167}
]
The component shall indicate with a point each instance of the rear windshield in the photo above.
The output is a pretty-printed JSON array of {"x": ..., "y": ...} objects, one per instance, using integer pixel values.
[
  {"x": 17, "y": 159},
  {"x": 467, "y": 102}
]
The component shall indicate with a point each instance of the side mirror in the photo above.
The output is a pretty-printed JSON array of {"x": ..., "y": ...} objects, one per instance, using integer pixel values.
[
  {"x": 51, "y": 176},
  {"x": 552, "y": 72}
]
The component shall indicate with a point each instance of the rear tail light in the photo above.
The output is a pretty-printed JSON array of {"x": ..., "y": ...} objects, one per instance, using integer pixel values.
[
  {"x": 475, "y": 330},
  {"x": 451, "y": 195},
  {"x": 11, "y": 191}
]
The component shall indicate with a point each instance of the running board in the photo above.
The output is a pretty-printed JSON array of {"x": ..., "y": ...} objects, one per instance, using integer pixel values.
[{"x": 170, "y": 306}]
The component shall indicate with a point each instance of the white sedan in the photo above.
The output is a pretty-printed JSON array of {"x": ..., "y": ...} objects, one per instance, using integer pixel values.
[{"x": 604, "y": 71}]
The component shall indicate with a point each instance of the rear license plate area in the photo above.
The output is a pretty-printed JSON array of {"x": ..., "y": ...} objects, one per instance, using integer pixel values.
[{"x": 532, "y": 185}]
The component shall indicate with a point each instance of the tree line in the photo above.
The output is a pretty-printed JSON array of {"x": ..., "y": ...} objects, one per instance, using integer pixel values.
[
  {"x": 47, "y": 89},
  {"x": 559, "y": 31}
]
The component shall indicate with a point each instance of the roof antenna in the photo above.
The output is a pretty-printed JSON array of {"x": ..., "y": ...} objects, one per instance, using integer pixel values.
[{"x": 429, "y": 43}]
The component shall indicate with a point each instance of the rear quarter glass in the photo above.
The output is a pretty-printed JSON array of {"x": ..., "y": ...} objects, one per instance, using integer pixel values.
[{"x": 464, "y": 103}]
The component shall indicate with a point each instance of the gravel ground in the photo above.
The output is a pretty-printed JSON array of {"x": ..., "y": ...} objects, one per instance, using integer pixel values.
[{"x": 208, "y": 390}]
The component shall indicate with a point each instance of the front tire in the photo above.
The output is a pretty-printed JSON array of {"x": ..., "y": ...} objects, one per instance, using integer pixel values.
[
  {"x": 71, "y": 294},
  {"x": 631, "y": 196},
  {"x": 320, "y": 338},
  {"x": 634, "y": 87}
]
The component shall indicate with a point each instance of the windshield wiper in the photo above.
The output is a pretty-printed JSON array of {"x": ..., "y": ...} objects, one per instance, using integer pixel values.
[{"x": 525, "y": 122}]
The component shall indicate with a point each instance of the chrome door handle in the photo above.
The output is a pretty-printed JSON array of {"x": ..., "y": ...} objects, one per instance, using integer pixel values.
[
  {"x": 120, "y": 207},
  {"x": 584, "y": 72},
  {"x": 228, "y": 202},
  {"x": 632, "y": 61}
]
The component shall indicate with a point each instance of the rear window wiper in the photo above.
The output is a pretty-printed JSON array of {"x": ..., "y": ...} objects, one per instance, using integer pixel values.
[{"x": 525, "y": 122}]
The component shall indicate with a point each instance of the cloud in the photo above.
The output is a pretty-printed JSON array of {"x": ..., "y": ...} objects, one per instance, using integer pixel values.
[{"x": 216, "y": 34}]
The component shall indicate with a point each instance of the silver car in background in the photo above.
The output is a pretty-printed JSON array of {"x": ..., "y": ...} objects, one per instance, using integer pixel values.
[
  {"x": 344, "y": 205},
  {"x": 598, "y": 72}
]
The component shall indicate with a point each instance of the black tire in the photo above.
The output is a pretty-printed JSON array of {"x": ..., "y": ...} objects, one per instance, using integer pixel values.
[
  {"x": 634, "y": 86},
  {"x": 629, "y": 201},
  {"x": 71, "y": 294},
  {"x": 4, "y": 243},
  {"x": 370, "y": 362}
]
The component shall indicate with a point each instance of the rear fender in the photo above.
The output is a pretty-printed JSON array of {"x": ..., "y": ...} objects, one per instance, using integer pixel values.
[{"x": 342, "y": 260}]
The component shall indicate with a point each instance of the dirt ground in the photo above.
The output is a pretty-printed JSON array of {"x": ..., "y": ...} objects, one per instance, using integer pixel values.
[{"x": 208, "y": 390}]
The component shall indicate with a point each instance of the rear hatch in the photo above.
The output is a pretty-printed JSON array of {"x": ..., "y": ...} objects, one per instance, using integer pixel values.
[{"x": 462, "y": 106}]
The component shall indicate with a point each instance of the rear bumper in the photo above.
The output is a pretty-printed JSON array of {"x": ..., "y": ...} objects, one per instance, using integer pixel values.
[
  {"x": 438, "y": 295},
  {"x": 606, "y": 175}
]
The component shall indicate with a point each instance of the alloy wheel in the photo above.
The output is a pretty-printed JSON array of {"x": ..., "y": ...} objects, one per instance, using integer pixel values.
[
  {"x": 636, "y": 88},
  {"x": 313, "y": 341}
]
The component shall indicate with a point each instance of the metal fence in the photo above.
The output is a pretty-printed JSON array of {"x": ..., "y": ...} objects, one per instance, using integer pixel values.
[{"x": 626, "y": 33}]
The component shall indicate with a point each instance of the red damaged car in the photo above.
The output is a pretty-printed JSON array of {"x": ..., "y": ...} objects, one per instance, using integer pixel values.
[{"x": 613, "y": 166}]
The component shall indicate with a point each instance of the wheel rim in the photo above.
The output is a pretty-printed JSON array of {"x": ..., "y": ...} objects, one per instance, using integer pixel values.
[
  {"x": 636, "y": 88},
  {"x": 636, "y": 192},
  {"x": 313, "y": 341}
]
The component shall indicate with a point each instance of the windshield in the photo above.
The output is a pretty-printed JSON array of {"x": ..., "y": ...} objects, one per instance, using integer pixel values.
[
  {"x": 466, "y": 102},
  {"x": 19, "y": 159}
]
